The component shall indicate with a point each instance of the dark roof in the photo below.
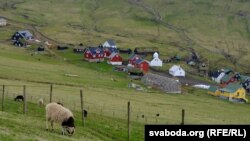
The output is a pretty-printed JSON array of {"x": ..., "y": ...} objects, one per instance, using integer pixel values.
[
  {"x": 94, "y": 50},
  {"x": 111, "y": 49},
  {"x": 215, "y": 74},
  {"x": 231, "y": 88},
  {"x": 111, "y": 42},
  {"x": 132, "y": 56},
  {"x": 138, "y": 61},
  {"x": 25, "y": 33}
]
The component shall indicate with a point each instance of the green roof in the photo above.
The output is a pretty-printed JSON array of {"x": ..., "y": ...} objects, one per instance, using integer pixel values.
[
  {"x": 212, "y": 89},
  {"x": 227, "y": 70},
  {"x": 226, "y": 78},
  {"x": 243, "y": 78},
  {"x": 231, "y": 88}
]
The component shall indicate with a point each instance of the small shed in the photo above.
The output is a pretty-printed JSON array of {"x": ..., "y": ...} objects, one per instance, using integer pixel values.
[
  {"x": 156, "y": 60},
  {"x": 3, "y": 22},
  {"x": 115, "y": 59},
  {"x": 176, "y": 70},
  {"x": 109, "y": 43}
]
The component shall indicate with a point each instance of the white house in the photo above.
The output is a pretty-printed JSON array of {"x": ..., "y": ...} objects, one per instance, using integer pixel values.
[
  {"x": 156, "y": 60},
  {"x": 3, "y": 22},
  {"x": 176, "y": 71},
  {"x": 109, "y": 43}
]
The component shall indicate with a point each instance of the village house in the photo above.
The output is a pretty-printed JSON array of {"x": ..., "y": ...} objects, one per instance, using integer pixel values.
[
  {"x": 109, "y": 43},
  {"x": 176, "y": 71},
  {"x": 20, "y": 38},
  {"x": 115, "y": 59},
  {"x": 219, "y": 74},
  {"x": 157, "y": 62},
  {"x": 141, "y": 64},
  {"x": 233, "y": 92},
  {"x": 108, "y": 51},
  {"x": 3, "y": 22},
  {"x": 132, "y": 59},
  {"x": 94, "y": 54}
]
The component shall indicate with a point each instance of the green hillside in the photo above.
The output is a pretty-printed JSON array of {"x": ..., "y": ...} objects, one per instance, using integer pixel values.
[{"x": 217, "y": 30}]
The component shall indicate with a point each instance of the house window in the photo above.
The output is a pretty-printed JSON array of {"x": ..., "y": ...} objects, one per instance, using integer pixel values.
[{"x": 238, "y": 94}]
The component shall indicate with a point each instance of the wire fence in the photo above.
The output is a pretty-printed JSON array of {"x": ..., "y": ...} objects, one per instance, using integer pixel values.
[{"x": 62, "y": 94}]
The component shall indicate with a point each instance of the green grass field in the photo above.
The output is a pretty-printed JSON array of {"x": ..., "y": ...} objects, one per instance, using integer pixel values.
[{"x": 213, "y": 27}]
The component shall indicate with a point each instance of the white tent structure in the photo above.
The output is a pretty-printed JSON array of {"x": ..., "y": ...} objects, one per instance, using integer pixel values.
[
  {"x": 176, "y": 71},
  {"x": 156, "y": 60}
]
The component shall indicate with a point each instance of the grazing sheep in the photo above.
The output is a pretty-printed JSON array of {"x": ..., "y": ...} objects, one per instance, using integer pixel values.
[
  {"x": 57, "y": 113},
  {"x": 41, "y": 102},
  {"x": 85, "y": 113},
  {"x": 19, "y": 98}
]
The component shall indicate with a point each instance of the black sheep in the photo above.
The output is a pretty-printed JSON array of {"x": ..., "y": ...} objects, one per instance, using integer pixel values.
[{"x": 19, "y": 98}]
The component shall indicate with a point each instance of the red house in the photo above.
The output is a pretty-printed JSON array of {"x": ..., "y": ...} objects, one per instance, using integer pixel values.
[
  {"x": 94, "y": 54},
  {"x": 132, "y": 59},
  {"x": 115, "y": 59},
  {"x": 143, "y": 65},
  {"x": 108, "y": 51}
]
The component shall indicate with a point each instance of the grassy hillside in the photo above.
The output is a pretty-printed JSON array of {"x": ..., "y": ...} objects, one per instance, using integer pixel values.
[{"x": 217, "y": 30}]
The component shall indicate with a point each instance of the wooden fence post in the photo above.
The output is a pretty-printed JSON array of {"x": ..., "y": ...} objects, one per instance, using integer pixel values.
[
  {"x": 129, "y": 121},
  {"x": 3, "y": 98},
  {"x": 183, "y": 117},
  {"x": 83, "y": 119},
  {"x": 50, "y": 93},
  {"x": 24, "y": 100}
]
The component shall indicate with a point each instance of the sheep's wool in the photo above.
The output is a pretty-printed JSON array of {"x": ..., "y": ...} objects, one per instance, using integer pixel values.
[{"x": 57, "y": 113}]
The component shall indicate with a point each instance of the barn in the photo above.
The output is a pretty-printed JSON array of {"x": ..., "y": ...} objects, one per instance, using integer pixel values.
[
  {"x": 109, "y": 43},
  {"x": 115, "y": 59},
  {"x": 3, "y": 22},
  {"x": 141, "y": 64},
  {"x": 157, "y": 62},
  {"x": 94, "y": 54},
  {"x": 176, "y": 71}
]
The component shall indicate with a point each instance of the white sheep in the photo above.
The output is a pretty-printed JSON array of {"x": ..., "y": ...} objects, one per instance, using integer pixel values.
[
  {"x": 58, "y": 113},
  {"x": 41, "y": 102}
]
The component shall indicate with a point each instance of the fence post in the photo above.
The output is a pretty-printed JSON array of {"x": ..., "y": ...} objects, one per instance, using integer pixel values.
[
  {"x": 183, "y": 117},
  {"x": 83, "y": 119},
  {"x": 50, "y": 94},
  {"x": 24, "y": 100},
  {"x": 129, "y": 121},
  {"x": 3, "y": 98}
]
